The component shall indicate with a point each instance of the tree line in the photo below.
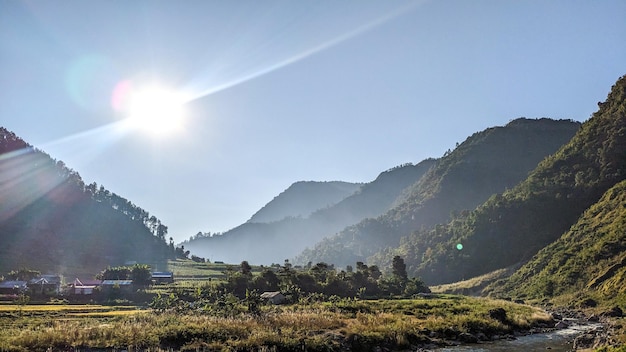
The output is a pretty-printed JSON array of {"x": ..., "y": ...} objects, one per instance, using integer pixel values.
[{"x": 362, "y": 281}]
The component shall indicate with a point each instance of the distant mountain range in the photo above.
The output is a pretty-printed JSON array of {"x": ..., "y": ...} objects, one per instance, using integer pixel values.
[
  {"x": 269, "y": 242},
  {"x": 487, "y": 163},
  {"x": 540, "y": 194},
  {"x": 51, "y": 221},
  {"x": 399, "y": 201},
  {"x": 545, "y": 196},
  {"x": 303, "y": 198}
]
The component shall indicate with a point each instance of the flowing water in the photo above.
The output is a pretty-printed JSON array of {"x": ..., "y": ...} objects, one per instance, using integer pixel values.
[{"x": 558, "y": 341}]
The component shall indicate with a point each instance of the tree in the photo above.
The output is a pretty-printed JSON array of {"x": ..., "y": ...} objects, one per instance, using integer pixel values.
[
  {"x": 267, "y": 281},
  {"x": 161, "y": 231},
  {"x": 375, "y": 272},
  {"x": 197, "y": 259},
  {"x": 23, "y": 274},
  {"x": 181, "y": 253},
  {"x": 140, "y": 274},
  {"x": 399, "y": 269},
  {"x": 245, "y": 269}
]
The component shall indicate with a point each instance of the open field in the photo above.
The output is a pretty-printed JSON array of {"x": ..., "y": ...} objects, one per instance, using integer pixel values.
[
  {"x": 474, "y": 286},
  {"x": 324, "y": 326},
  {"x": 186, "y": 269}
]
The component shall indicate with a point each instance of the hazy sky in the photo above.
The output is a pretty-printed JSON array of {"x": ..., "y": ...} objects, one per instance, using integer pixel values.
[{"x": 283, "y": 91}]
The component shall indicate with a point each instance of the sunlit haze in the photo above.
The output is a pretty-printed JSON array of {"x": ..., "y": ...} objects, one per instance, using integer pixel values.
[{"x": 201, "y": 112}]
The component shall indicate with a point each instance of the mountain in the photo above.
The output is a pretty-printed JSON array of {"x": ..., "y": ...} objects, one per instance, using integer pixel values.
[
  {"x": 485, "y": 163},
  {"x": 512, "y": 227},
  {"x": 51, "y": 221},
  {"x": 588, "y": 260},
  {"x": 264, "y": 243},
  {"x": 303, "y": 198}
]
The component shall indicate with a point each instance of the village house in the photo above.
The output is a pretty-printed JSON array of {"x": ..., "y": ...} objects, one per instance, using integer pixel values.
[
  {"x": 162, "y": 277},
  {"x": 122, "y": 285},
  {"x": 84, "y": 287},
  {"x": 13, "y": 287},
  {"x": 274, "y": 297},
  {"x": 48, "y": 285}
]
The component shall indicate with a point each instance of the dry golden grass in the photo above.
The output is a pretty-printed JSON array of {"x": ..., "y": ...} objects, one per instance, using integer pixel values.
[{"x": 321, "y": 326}]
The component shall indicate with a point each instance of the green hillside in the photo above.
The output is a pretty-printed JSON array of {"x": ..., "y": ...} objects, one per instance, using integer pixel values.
[
  {"x": 590, "y": 259},
  {"x": 487, "y": 162},
  {"x": 512, "y": 227},
  {"x": 51, "y": 221}
]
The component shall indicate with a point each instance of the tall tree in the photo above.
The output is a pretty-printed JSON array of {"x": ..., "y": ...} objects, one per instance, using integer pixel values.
[
  {"x": 399, "y": 268},
  {"x": 245, "y": 269}
]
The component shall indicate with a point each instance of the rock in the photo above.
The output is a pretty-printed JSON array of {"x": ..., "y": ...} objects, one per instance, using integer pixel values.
[
  {"x": 588, "y": 303},
  {"x": 615, "y": 312},
  {"x": 498, "y": 314},
  {"x": 584, "y": 341},
  {"x": 556, "y": 316},
  {"x": 593, "y": 319},
  {"x": 467, "y": 338},
  {"x": 561, "y": 325},
  {"x": 449, "y": 333},
  {"x": 482, "y": 337}
]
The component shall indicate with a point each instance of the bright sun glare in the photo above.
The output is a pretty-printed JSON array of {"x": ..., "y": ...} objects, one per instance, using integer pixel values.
[{"x": 154, "y": 109}]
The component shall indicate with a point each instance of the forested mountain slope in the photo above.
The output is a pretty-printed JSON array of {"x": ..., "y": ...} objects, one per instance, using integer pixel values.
[
  {"x": 487, "y": 162},
  {"x": 303, "y": 198},
  {"x": 265, "y": 243},
  {"x": 588, "y": 260},
  {"x": 512, "y": 227},
  {"x": 51, "y": 221}
]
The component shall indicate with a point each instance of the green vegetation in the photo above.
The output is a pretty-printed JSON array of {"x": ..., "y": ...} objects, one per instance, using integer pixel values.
[
  {"x": 511, "y": 227},
  {"x": 50, "y": 220},
  {"x": 186, "y": 270},
  {"x": 589, "y": 261},
  {"x": 319, "y": 281},
  {"x": 564, "y": 227},
  {"x": 325, "y": 310},
  {"x": 488, "y": 162},
  {"x": 476, "y": 285},
  {"x": 325, "y": 326}
]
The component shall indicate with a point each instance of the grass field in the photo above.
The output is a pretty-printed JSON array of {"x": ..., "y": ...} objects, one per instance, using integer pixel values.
[
  {"x": 317, "y": 326},
  {"x": 185, "y": 269}
]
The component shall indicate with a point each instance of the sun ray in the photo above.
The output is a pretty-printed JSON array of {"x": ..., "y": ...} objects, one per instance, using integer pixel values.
[{"x": 306, "y": 53}]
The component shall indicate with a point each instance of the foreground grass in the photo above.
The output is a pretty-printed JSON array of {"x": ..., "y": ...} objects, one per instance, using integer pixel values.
[{"x": 360, "y": 325}]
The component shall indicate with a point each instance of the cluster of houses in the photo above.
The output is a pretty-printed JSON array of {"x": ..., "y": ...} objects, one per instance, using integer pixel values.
[
  {"x": 42, "y": 285},
  {"x": 52, "y": 285}
]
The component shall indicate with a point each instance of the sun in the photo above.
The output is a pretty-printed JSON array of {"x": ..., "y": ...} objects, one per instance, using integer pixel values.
[{"x": 154, "y": 109}]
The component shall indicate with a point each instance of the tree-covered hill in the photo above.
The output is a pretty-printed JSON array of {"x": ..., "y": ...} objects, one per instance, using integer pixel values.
[
  {"x": 512, "y": 227},
  {"x": 51, "y": 221},
  {"x": 487, "y": 162},
  {"x": 303, "y": 198},
  {"x": 588, "y": 260},
  {"x": 265, "y": 243}
]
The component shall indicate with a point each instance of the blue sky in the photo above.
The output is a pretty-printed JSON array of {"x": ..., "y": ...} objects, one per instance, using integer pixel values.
[{"x": 285, "y": 91}]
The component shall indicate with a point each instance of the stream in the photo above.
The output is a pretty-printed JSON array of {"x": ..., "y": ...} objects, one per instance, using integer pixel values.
[{"x": 557, "y": 341}]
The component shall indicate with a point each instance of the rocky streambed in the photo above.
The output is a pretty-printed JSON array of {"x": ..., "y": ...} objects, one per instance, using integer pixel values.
[{"x": 572, "y": 330}]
